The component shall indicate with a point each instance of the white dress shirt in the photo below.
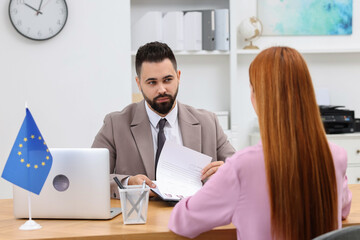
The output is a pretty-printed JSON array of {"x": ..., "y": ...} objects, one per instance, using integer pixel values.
[{"x": 171, "y": 129}]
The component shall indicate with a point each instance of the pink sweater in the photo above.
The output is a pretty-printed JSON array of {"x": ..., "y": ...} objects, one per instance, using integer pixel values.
[{"x": 238, "y": 194}]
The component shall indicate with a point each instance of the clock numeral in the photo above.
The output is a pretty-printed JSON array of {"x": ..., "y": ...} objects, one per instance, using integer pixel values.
[
  {"x": 62, "y": 11},
  {"x": 58, "y": 1},
  {"x": 20, "y": 2},
  {"x": 51, "y": 31},
  {"x": 39, "y": 34},
  {"x": 59, "y": 22},
  {"x": 19, "y": 23},
  {"x": 28, "y": 30},
  {"x": 14, "y": 11}
]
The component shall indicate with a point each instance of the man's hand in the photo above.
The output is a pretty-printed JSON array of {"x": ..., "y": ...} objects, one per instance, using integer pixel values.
[
  {"x": 210, "y": 169},
  {"x": 139, "y": 179}
]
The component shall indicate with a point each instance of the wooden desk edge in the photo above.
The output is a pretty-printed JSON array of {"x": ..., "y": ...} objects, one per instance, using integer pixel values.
[{"x": 108, "y": 233}]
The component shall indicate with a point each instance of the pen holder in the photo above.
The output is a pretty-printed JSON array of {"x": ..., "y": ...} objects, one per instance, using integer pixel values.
[{"x": 134, "y": 204}]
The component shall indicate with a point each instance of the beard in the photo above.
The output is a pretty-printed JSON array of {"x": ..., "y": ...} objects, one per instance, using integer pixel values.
[{"x": 163, "y": 107}]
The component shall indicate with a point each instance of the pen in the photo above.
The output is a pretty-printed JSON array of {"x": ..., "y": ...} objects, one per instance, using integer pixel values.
[
  {"x": 119, "y": 183},
  {"x": 142, "y": 200},
  {"x": 143, "y": 185}
]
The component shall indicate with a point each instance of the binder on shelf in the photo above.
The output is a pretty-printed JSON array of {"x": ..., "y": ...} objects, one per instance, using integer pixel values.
[
  {"x": 147, "y": 29},
  {"x": 173, "y": 30},
  {"x": 222, "y": 35},
  {"x": 193, "y": 31},
  {"x": 208, "y": 30}
]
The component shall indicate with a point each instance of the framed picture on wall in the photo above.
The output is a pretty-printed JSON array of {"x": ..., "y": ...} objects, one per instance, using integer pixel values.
[{"x": 306, "y": 17}]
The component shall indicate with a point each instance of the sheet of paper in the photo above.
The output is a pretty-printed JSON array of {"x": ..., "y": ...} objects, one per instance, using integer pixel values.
[{"x": 179, "y": 171}]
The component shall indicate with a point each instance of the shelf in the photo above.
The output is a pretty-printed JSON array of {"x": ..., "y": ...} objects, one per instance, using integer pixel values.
[
  {"x": 194, "y": 53},
  {"x": 306, "y": 51},
  {"x": 248, "y": 51}
]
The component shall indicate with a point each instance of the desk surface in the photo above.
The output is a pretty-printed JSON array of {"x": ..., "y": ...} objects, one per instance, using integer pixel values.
[{"x": 155, "y": 227}]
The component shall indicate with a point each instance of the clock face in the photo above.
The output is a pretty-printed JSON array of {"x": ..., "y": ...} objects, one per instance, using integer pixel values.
[{"x": 38, "y": 19}]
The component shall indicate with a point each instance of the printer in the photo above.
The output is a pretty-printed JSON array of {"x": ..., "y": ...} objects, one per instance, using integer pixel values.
[{"x": 337, "y": 120}]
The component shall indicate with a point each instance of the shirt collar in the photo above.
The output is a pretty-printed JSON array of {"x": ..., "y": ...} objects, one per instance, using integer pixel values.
[{"x": 154, "y": 118}]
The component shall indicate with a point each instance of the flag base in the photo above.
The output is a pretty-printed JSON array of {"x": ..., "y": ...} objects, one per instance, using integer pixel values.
[{"x": 30, "y": 225}]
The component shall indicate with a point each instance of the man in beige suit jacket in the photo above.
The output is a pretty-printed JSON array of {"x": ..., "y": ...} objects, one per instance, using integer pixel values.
[{"x": 130, "y": 135}]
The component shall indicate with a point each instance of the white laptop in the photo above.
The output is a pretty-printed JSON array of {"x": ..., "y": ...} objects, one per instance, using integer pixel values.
[{"x": 77, "y": 187}]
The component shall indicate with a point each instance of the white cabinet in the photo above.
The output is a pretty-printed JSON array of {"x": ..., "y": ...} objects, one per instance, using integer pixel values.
[
  {"x": 353, "y": 173},
  {"x": 350, "y": 142}
]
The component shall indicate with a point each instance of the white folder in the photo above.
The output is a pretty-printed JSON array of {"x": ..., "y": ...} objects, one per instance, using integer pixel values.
[
  {"x": 147, "y": 29},
  {"x": 222, "y": 35},
  {"x": 173, "y": 30},
  {"x": 193, "y": 31}
]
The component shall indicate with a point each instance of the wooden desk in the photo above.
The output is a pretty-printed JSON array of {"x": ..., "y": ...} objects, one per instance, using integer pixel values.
[
  {"x": 354, "y": 216},
  {"x": 155, "y": 227}
]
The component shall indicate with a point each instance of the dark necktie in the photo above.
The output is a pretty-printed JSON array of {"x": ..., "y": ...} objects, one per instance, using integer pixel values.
[{"x": 160, "y": 141}]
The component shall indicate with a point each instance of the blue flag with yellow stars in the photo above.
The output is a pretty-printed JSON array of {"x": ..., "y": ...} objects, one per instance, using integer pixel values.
[{"x": 30, "y": 160}]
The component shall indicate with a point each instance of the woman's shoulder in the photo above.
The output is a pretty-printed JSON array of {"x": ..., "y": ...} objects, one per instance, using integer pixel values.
[
  {"x": 249, "y": 155},
  {"x": 336, "y": 150},
  {"x": 339, "y": 155}
]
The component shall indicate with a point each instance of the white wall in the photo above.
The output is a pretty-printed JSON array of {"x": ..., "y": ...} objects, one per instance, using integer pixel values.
[{"x": 69, "y": 82}]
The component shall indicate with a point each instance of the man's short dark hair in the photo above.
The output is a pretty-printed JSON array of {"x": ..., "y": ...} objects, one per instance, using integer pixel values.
[{"x": 153, "y": 52}]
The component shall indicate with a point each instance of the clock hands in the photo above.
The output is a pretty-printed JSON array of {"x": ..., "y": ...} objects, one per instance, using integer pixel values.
[{"x": 37, "y": 11}]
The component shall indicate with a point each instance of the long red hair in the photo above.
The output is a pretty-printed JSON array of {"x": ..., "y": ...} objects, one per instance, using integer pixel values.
[{"x": 299, "y": 165}]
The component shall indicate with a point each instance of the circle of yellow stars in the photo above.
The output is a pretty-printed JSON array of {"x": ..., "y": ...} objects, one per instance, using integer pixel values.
[{"x": 22, "y": 160}]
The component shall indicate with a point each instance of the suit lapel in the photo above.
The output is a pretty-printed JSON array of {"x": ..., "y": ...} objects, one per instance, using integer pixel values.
[
  {"x": 190, "y": 129},
  {"x": 141, "y": 131}
]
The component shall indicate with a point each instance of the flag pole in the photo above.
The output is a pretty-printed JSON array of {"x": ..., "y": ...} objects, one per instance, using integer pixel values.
[
  {"x": 29, "y": 205},
  {"x": 30, "y": 224}
]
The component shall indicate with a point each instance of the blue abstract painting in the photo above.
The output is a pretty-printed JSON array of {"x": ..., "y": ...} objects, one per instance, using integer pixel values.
[{"x": 305, "y": 17}]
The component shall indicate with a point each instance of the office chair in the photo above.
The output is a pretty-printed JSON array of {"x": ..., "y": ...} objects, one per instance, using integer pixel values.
[{"x": 347, "y": 233}]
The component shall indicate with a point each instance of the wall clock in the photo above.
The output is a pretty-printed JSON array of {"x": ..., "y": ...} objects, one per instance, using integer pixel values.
[{"x": 38, "y": 19}]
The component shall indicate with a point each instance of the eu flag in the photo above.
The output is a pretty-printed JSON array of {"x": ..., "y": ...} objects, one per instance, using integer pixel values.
[{"x": 30, "y": 160}]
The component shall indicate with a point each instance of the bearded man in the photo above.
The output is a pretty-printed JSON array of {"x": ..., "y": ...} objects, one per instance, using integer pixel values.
[{"x": 135, "y": 135}]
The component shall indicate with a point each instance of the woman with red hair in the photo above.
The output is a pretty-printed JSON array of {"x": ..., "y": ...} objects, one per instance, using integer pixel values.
[{"x": 293, "y": 184}]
